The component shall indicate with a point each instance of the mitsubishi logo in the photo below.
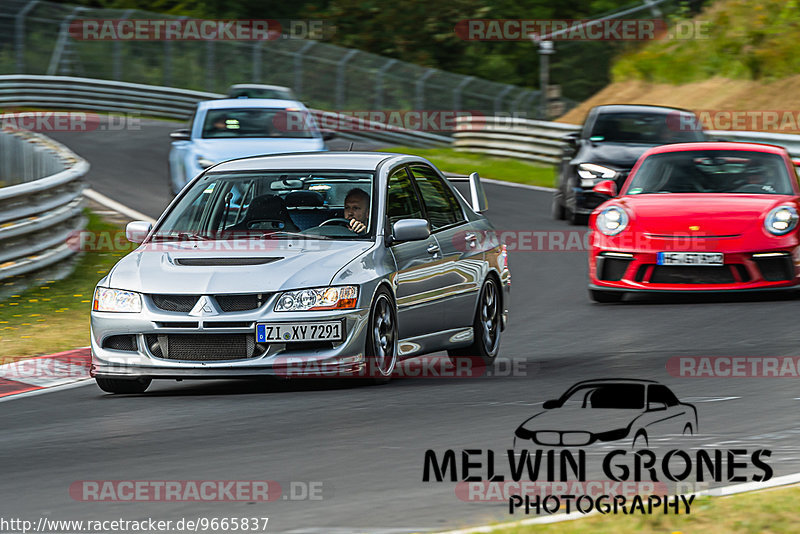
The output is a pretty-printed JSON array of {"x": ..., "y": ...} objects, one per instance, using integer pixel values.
[{"x": 203, "y": 307}]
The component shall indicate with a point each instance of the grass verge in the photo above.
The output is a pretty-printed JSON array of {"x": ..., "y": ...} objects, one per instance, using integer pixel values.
[
  {"x": 768, "y": 511},
  {"x": 496, "y": 168},
  {"x": 54, "y": 317}
]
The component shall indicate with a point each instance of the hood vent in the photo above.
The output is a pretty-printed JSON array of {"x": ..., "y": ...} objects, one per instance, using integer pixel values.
[{"x": 219, "y": 262}]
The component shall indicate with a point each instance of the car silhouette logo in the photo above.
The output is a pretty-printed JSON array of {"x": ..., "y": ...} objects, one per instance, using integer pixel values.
[{"x": 604, "y": 410}]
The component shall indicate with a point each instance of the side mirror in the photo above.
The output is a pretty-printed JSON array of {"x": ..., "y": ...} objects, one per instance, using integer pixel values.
[
  {"x": 327, "y": 135},
  {"x": 656, "y": 406},
  {"x": 180, "y": 135},
  {"x": 571, "y": 139},
  {"x": 136, "y": 231},
  {"x": 549, "y": 405},
  {"x": 477, "y": 194},
  {"x": 410, "y": 230},
  {"x": 607, "y": 188}
]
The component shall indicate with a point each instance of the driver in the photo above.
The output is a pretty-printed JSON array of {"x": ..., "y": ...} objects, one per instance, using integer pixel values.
[{"x": 356, "y": 209}]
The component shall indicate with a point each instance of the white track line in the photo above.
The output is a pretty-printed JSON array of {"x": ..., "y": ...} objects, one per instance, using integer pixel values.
[
  {"x": 514, "y": 184},
  {"x": 784, "y": 480},
  {"x": 116, "y": 206}
]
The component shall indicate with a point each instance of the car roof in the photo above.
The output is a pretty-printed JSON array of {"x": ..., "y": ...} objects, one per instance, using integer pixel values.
[
  {"x": 638, "y": 108},
  {"x": 257, "y": 86},
  {"x": 613, "y": 381},
  {"x": 240, "y": 103},
  {"x": 357, "y": 161},
  {"x": 717, "y": 145}
]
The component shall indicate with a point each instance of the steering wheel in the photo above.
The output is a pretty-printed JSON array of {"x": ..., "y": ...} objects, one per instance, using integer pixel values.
[
  {"x": 337, "y": 220},
  {"x": 752, "y": 188}
]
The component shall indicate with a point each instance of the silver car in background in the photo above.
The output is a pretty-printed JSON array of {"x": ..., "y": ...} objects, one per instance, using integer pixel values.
[{"x": 256, "y": 269}]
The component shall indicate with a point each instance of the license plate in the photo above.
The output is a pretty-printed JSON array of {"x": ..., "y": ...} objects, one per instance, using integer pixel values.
[
  {"x": 293, "y": 332},
  {"x": 690, "y": 258}
]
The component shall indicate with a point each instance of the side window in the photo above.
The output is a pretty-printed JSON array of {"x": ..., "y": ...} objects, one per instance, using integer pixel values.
[
  {"x": 440, "y": 202},
  {"x": 402, "y": 201},
  {"x": 661, "y": 394}
]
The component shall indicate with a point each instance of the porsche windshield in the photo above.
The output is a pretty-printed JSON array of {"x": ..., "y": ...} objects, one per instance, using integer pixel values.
[
  {"x": 707, "y": 171},
  {"x": 258, "y": 123},
  {"x": 315, "y": 205}
]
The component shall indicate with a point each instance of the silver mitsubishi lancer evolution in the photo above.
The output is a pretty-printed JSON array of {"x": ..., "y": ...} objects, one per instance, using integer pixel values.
[{"x": 313, "y": 264}]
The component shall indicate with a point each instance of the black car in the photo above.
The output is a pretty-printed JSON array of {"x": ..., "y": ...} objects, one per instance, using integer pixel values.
[{"x": 606, "y": 148}]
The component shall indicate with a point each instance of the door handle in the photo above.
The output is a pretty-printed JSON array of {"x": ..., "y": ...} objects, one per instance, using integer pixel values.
[{"x": 433, "y": 249}]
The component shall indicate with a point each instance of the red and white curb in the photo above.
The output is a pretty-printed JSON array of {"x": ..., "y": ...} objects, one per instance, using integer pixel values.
[{"x": 27, "y": 376}]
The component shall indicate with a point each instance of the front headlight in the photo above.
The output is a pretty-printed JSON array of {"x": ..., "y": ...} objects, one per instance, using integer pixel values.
[
  {"x": 116, "y": 300},
  {"x": 591, "y": 173},
  {"x": 781, "y": 220},
  {"x": 319, "y": 298},
  {"x": 204, "y": 163},
  {"x": 612, "y": 220}
]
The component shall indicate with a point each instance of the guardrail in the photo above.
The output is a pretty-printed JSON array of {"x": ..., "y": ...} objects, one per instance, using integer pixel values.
[
  {"x": 512, "y": 137},
  {"x": 41, "y": 203},
  {"x": 68, "y": 92},
  {"x": 541, "y": 140}
]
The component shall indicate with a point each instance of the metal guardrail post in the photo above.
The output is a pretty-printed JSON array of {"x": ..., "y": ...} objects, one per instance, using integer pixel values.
[
  {"x": 458, "y": 90},
  {"x": 210, "y": 64},
  {"x": 340, "y": 81},
  {"x": 379, "y": 82},
  {"x": 257, "y": 59},
  {"x": 298, "y": 68},
  {"x": 499, "y": 98},
  {"x": 19, "y": 34},
  {"x": 420, "y": 89},
  {"x": 61, "y": 42},
  {"x": 117, "y": 53}
]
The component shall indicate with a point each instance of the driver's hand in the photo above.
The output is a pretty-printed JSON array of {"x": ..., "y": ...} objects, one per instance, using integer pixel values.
[{"x": 357, "y": 226}]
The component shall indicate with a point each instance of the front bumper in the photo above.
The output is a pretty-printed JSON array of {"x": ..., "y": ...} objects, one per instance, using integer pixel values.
[
  {"x": 637, "y": 270},
  {"x": 277, "y": 359}
]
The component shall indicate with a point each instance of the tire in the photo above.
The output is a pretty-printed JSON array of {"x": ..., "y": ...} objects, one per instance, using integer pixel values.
[
  {"x": 381, "y": 345},
  {"x": 575, "y": 219},
  {"x": 638, "y": 438},
  {"x": 606, "y": 297},
  {"x": 123, "y": 385},
  {"x": 557, "y": 208},
  {"x": 485, "y": 328}
]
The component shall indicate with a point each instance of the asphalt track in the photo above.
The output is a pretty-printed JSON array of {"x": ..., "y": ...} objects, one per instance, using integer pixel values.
[{"x": 366, "y": 444}]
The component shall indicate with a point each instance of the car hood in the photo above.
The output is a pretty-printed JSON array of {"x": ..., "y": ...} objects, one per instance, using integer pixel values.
[
  {"x": 615, "y": 155},
  {"x": 574, "y": 418},
  {"x": 218, "y": 150},
  {"x": 714, "y": 214},
  {"x": 156, "y": 268}
]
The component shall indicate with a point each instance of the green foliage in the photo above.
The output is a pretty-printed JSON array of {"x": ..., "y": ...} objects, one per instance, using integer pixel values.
[{"x": 744, "y": 39}]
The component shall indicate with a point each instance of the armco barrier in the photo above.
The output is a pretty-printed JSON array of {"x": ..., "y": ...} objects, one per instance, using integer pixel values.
[
  {"x": 68, "y": 92},
  {"x": 40, "y": 203}
]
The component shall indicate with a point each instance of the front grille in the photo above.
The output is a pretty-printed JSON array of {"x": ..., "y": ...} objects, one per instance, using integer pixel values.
[
  {"x": 776, "y": 268},
  {"x": 234, "y": 303},
  {"x": 177, "y": 324},
  {"x": 124, "y": 342},
  {"x": 175, "y": 303},
  {"x": 678, "y": 274},
  {"x": 204, "y": 347},
  {"x": 611, "y": 269}
]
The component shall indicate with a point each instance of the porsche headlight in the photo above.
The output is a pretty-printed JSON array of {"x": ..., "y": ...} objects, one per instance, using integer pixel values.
[
  {"x": 204, "y": 163},
  {"x": 320, "y": 298},
  {"x": 612, "y": 220},
  {"x": 781, "y": 220},
  {"x": 116, "y": 300},
  {"x": 592, "y": 173}
]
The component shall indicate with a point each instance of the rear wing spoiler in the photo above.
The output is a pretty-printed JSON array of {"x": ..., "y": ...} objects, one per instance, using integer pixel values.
[{"x": 477, "y": 195}]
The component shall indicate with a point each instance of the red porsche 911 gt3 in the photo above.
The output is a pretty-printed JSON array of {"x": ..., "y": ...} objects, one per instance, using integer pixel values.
[{"x": 697, "y": 217}]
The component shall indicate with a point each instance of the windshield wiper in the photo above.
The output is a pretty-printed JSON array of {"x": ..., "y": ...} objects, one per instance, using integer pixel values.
[
  {"x": 181, "y": 236},
  {"x": 267, "y": 235}
]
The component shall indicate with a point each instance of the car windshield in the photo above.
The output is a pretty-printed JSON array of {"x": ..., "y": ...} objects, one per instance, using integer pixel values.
[
  {"x": 258, "y": 122},
  {"x": 647, "y": 128},
  {"x": 707, "y": 171},
  {"x": 274, "y": 205},
  {"x": 624, "y": 396}
]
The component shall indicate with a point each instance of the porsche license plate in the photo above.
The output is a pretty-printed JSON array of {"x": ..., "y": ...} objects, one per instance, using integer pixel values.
[
  {"x": 691, "y": 258},
  {"x": 293, "y": 332}
]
